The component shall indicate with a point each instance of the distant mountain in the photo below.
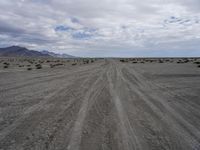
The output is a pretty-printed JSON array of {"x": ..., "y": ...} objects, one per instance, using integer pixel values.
[
  {"x": 16, "y": 51},
  {"x": 57, "y": 55}
]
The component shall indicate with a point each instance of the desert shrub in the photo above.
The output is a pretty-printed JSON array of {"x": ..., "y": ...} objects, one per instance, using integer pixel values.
[
  {"x": 151, "y": 61},
  {"x": 186, "y": 61},
  {"x": 92, "y": 61},
  {"x": 59, "y": 64},
  {"x": 123, "y": 60},
  {"x": 51, "y": 65},
  {"x": 134, "y": 62},
  {"x": 86, "y": 61},
  {"x": 54, "y": 65},
  {"x": 197, "y": 62},
  {"x": 161, "y": 61},
  {"x": 198, "y": 66},
  {"x": 179, "y": 62},
  {"x": 29, "y": 68},
  {"x": 38, "y": 66},
  {"x": 74, "y": 64},
  {"x": 5, "y": 66},
  {"x": 5, "y": 63}
]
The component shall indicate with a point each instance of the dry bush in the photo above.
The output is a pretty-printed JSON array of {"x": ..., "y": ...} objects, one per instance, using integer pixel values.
[
  {"x": 197, "y": 62},
  {"x": 38, "y": 66},
  {"x": 123, "y": 60},
  {"x": 29, "y": 69},
  {"x": 5, "y": 63},
  {"x": 54, "y": 65}
]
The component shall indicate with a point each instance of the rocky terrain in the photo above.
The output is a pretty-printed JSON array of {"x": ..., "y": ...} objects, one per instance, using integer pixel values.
[{"x": 99, "y": 104}]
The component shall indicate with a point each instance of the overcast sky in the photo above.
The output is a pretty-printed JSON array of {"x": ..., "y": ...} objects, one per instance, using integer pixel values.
[{"x": 103, "y": 27}]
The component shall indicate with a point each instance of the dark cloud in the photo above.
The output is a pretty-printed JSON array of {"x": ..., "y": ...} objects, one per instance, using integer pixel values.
[{"x": 9, "y": 29}]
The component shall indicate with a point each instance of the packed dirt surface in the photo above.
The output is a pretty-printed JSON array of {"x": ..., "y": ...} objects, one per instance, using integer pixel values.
[{"x": 104, "y": 105}]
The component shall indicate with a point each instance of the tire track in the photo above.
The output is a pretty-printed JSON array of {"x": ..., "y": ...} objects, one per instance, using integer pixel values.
[
  {"x": 179, "y": 125},
  {"x": 46, "y": 100},
  {"x": 75, "y": 141},
  {"x": 129, "y": 139},
  {"x": 59, "y": 76}
]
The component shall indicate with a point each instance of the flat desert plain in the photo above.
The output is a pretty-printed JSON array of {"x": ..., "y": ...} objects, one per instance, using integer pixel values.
[{"x": 99, "y": 104}]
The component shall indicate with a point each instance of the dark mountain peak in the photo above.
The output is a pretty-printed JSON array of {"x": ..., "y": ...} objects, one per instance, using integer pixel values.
[
  {"x": 15, "y": 51},
  {"x": 15, "y": 47},
  {"x": 57, "y": 55}
]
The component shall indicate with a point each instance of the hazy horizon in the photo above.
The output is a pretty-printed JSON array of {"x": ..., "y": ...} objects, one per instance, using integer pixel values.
[{"x": 109, "y": 28}]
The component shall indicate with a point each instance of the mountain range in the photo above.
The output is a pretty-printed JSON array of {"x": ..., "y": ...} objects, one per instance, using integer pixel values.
[
  {"x": 17, "y": 51},
  {"x": 57, "y": 55}
]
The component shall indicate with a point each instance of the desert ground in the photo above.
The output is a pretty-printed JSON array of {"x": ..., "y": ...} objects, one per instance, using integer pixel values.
[{"x": 100, "y": 104}]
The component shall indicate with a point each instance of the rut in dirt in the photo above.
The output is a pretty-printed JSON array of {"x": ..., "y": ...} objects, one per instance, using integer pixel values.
[{"x": 108, "y": 105}]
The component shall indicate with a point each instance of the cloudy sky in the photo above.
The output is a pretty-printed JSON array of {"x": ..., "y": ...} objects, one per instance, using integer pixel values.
[{"x": 103, "y": 27}]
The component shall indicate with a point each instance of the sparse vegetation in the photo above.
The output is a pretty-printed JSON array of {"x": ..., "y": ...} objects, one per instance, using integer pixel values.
[
  {"x": 123, "y": 60},
  {"x": 86, "y": 61},
  {"x": 29, "y": 69},
  {"x": 54, "y": 65},
  {"x": 5, "y": 66},
  {"x": 74, "y": 64},
  {"x": 197, "y": 62},
  {"x": 185, "y": 60},
  {"x": 179, "y": 62},
  {"x": 38, "y": 66}
]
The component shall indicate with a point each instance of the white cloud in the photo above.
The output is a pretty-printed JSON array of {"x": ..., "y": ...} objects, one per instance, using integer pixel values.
[{"x": 96, "y": 27}]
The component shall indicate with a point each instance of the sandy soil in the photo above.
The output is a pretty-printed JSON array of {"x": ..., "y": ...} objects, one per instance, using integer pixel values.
[{"x": 104, "y": 105}]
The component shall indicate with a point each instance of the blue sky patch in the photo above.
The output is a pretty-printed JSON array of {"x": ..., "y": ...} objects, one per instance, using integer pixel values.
[
  {"x": 63, "y": 28},
  {"x": 81, "y": 35}
]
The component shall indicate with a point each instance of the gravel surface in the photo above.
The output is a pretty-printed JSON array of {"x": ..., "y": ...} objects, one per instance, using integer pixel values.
[{"x": 104, "y": 105}]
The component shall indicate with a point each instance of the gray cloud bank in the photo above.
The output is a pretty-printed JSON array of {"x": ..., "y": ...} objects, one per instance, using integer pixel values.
[{"x": 103, "y": 28}]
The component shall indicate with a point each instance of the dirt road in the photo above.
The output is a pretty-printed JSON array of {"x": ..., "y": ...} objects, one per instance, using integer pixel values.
[{"x": 107, "y": 105}]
